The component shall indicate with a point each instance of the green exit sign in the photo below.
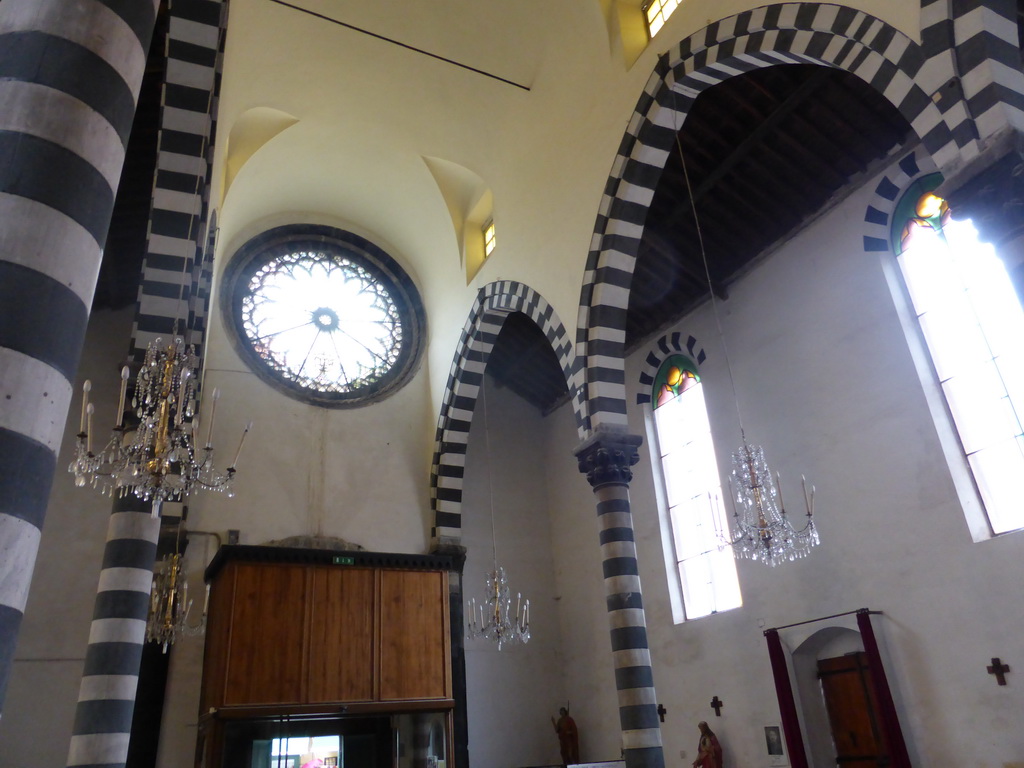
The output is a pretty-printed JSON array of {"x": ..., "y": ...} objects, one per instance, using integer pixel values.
[{"x": 338, "y": 560}]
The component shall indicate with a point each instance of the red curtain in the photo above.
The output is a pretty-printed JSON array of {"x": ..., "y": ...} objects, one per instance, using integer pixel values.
[
  {"x": 887, "y": 709},
  {"x": 787, "y": 705}
]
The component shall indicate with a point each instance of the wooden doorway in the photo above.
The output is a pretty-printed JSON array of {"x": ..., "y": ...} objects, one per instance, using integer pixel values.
[{"x": 852, "y": 706}]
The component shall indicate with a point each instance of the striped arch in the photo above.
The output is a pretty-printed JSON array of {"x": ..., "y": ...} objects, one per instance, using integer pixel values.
[
  {"x": 665, "y": 347},
  {"x": 901, "y": 70},
  {"x": 988, "y": 65},
  {"x": 878, "y": 215},
  {"x": 493, "y": 303}
]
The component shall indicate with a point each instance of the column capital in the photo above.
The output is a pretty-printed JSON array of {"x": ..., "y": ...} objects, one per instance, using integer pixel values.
[
  {"x": 606, "y": 457},
  {"x": 994, "y": 200}
]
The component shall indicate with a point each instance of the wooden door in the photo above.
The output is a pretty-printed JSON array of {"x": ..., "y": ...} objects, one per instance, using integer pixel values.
[{"x": 853, "y": 712}]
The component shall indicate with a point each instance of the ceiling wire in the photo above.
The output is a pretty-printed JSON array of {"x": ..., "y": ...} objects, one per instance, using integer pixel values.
[
  {"x": 707, "y": 270},
  {"x": 400, "y": 44}
]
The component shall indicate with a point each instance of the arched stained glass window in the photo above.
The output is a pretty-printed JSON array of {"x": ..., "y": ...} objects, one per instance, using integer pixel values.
[
  {"x": 324, "y": 314},
  {"x": 972, "y": 323},
  {"x": 693, "y": 492}
]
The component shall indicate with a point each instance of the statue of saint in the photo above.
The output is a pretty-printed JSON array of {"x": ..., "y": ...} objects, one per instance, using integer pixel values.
[
  {"x": 709, "y": 751},
  {"x": 568, "y": 737}
]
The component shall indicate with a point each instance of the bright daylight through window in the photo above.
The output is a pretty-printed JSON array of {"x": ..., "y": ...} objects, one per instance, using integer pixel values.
[
  {"x": 706, "y": 569},
  {"x": 972, "y": 323},
  {"x": 333, "y": 318},
  {"x": 656, "y": 12}
]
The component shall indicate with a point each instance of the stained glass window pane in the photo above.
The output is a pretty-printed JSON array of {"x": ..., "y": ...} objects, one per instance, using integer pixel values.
[
  {"x": 972, "y": 323},
  {"x": 707, "y": 573},
  {"x": 322, "y": 321},
  {"x": 323, "y": 314}
]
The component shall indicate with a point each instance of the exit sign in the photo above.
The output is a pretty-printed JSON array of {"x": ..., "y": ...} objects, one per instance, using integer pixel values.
[{"x": 338, "y": 560}]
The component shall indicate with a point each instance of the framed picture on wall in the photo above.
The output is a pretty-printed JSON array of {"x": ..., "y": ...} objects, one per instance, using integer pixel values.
[{"x": 773, "y": 743}]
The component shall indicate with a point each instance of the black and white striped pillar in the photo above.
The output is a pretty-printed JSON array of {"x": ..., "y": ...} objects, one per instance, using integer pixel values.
[
  {"x": 173, "y": 288},
  {"x": 69, "y": 79},
  {"x": 606, "y": 459},
  {"x": 106, "y": 698}
]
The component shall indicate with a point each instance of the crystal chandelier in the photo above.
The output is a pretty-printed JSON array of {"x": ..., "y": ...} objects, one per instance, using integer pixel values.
[
  {"x": 159, "y": 461},
  {"x": 169, "y": 604},
  {"x": 761, "y": 530},
  {"x": 493, "y": 621}
]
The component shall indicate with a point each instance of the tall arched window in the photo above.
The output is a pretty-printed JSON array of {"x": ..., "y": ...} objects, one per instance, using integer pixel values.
[
  {"x": 693, "y": 491},
  {"x": 973, "y": 325}
]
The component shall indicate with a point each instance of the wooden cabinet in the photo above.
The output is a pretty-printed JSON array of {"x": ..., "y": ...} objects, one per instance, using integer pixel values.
[{"x": 295, "y": 635}]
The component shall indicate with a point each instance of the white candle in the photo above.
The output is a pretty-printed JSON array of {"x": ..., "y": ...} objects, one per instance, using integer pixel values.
[
  {"x": 85, "y": 403},
  {"x": 89, "y": 409},
  {"x": 234, "y": 463},
  {"x": 125, "y": 372},
  {"x": 213, "y": 414}
]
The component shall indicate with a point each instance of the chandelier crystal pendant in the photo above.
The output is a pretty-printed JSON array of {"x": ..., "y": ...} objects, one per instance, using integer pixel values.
[
  {"x": 169, "y": 604},
  {"x": 761, "y": 530},
  {"x": 157, "y": 462},
  {"x": 493, "y": 621}
]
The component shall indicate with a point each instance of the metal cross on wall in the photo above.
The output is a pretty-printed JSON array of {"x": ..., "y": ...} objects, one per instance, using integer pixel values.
[
  {"x": 999, "y": 670},
  {"x": 717, "y": 705}
]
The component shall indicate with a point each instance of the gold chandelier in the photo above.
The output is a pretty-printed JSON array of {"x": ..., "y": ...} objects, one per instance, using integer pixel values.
[{"x": 158, "y": 461}]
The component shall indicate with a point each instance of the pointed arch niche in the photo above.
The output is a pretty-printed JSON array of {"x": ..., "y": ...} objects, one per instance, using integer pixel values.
[{"x": 492, "y": 496}]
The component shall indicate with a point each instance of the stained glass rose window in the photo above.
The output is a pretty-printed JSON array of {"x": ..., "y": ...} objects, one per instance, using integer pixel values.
[{"x": 324, "y": 314}]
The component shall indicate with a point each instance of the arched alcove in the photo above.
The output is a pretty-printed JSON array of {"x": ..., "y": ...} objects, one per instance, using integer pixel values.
[{"x": 826, "y": 643}]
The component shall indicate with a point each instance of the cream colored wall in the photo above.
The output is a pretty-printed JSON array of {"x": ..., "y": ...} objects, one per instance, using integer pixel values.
[{"x": 369, "y": 111}]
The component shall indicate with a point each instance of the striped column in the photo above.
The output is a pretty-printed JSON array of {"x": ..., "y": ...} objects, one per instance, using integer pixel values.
[
  {"x": 69, "y": 79},
  {"x": 606, "y": 459},
  {"x": 174, "y": 286},
  {"x": 106, "y": 698}
]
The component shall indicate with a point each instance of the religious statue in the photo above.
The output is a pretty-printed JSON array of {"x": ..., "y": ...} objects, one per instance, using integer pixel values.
[
  {"x": 709, "y": 751},
  {"x": 568, "y": 737}
]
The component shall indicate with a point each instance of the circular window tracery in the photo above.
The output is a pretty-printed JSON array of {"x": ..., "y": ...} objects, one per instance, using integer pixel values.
[{"x": 324, "y": 314}]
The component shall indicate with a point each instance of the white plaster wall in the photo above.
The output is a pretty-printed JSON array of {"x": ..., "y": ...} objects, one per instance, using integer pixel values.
[
  {"x": 40, "y": 705},
  {"x": 826, "y": 384},
  {"x": 512, "y": 693}
]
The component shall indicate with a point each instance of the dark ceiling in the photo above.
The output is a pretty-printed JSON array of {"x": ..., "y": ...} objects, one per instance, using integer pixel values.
[{"x": 766, "y": 152}]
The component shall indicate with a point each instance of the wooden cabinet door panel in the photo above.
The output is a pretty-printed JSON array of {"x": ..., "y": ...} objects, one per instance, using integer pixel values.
[
  {"x": 413, "y": 638},
  {"x": 341, "y": 657},
  {"x": 266, "y": 653}
]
